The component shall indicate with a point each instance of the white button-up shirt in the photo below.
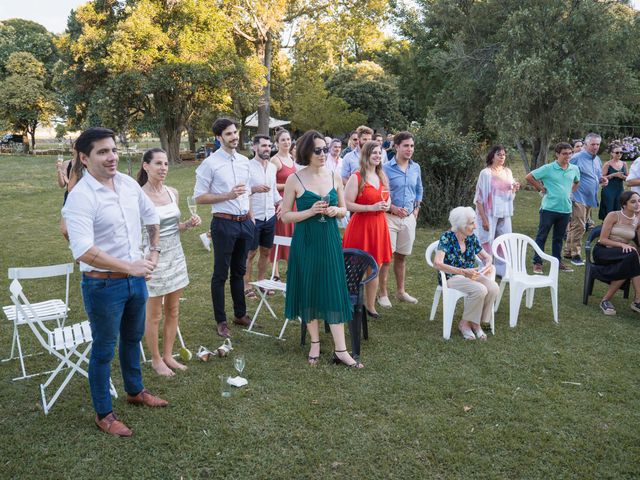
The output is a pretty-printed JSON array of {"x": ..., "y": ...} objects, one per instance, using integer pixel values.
[
  {"x": 218, "y": 174},
  {"x": 108, "y": 219},
  {"x": 262, "y": 204},
  {"x": 333, "y": 164},
  {"x": 634, "y": 174}
]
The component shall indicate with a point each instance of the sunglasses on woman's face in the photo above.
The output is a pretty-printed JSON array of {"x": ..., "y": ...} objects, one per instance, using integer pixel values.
[
  {"x": 617, "y": 153},
  {"x": 320, "y": 150}
]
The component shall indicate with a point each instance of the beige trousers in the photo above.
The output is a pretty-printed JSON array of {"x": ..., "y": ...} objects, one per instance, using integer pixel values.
[
  {"x": 577, "y": 227},
  {"x": 480, "y": 295}
]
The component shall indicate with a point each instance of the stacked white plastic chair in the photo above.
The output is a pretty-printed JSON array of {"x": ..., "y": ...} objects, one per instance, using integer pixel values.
[
  {"x": 69, "y": 345},
  {"x": 511, "y": 248},
  {"x": 450, "y": 296},
  {"x": 47, "y": 310}
]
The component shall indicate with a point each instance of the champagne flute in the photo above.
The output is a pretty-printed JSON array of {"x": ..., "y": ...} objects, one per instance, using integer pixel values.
[
  {"x": 193, "y": 206},
  {"x": 239, "y": 363},
  {"x": 325, "y": 199}
]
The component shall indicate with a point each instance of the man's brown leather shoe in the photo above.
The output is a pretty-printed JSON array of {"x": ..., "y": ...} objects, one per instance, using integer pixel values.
[
  {"x": 244, "y": 321},
  {"x": 223, "y": 330},
  {"x": 145, "y": 397},
  {"x": 112, "y": 426}
]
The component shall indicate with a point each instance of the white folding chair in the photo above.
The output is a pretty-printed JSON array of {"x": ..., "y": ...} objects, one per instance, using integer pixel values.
[
  {"x": 54, "y": 309},
  {"x": 64, "y": 343},
  {"x": 262, "y": 286},
  {"x": 511, "y": 248},
  {"x": 450, "y": 296}
]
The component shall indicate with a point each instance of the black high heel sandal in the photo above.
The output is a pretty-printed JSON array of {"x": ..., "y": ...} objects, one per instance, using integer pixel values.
[
  {"x": 313, "y": 361},
  {"x": 356, "y": 364},
  {"x": 371, "y": 314}
]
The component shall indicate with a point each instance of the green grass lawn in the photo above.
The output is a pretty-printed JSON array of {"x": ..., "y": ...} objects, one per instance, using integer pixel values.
[{"x": 538, "y": 401}]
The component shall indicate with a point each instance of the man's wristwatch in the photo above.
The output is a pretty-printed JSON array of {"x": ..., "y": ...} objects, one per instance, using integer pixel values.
[{"x": 155, "y": 249}]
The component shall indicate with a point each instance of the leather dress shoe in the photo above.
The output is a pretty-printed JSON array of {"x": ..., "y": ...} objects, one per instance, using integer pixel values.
[
  {"x": 223, "y": 330},
  {"x": 244, "y": 321},
  {"x": 112, "y": 426},
  {"x": 145, "y": 397}
]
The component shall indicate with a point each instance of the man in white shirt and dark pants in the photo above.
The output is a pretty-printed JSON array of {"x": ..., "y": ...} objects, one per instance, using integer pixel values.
[
  {"x": 103, "y": 214},
  {"x": 264, "y": 198},
  {"x": 223, "y": 180}
]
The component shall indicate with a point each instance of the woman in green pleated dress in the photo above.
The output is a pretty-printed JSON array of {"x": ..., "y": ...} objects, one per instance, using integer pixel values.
[{"x": 316, "y": 281}]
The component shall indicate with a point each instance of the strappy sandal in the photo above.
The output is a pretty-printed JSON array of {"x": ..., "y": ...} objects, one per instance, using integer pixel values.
[
  {"x": 249, "y": 293},
  {"x": 467, "y": 333},
  {"x": 336, "y": 360},
  {"x": 480, "y": 335},
  {"x": 313, "y": 361},
  {"x": 269, "y": 293}
]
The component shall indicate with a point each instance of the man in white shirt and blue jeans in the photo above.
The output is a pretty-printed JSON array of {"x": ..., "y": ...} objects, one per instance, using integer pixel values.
[
  {"x": 103, "y": 214},
  {"x": 223, "y": 180},
  {"x": 264, "y": 198}
]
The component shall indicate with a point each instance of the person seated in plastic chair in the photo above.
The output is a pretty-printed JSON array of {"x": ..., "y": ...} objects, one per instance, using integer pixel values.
[
  {"x": 456, "y": 257},
  {"x": 616, "y": 252}
]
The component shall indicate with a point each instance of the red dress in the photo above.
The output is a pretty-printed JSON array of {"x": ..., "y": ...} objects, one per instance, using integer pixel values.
[
  {"x": 368, "y": 231},
  {"x": 284, "y": 229}
]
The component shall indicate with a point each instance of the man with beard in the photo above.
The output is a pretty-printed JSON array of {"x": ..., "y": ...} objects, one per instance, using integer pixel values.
[
  {"x": 264, "y": 198},
  {"x": 223, "y": 180}
]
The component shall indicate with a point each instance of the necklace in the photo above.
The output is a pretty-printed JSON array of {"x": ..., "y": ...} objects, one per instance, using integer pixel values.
[{"x": 633, "y": 217}]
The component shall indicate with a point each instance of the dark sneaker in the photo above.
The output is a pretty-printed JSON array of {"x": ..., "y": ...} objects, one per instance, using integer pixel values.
[
  {"x": 577, "y": 260},
  {"x": 635, "y": 306},
  {"x": 537, "y": 268},
  {"x": 567, "y": 257},
  {"x": 565, "y": 268},
  {"x": 607, "y": 307}
]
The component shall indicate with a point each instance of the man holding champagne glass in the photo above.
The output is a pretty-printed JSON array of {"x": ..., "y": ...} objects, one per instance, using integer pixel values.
[{"x": 223, "y": 181}]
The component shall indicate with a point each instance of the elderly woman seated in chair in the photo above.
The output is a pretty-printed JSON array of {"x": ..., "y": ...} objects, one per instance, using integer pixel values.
[
  {"x": 616, "y": 251},
  {"x": 456, "y": 257}
]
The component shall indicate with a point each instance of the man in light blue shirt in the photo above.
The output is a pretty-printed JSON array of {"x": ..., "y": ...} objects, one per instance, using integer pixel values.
[
  {"x": 351, "y": 161},
  {"x": 405, "y": 187},
  {"x": 585, "y": 197}
]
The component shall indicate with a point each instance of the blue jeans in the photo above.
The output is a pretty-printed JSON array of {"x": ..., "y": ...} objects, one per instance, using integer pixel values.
[
  {"x": 114, "y": 306},
  {"x": 559, "y": 222}
]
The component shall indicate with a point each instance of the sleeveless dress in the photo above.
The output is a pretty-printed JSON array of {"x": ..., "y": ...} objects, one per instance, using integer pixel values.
[
  {"x": 610, "y": 196},
  {"x": 613, "y": 263},
  {"x": 316, "y": 279},
  {"x": 284, "y": 229},
  {"x": 170, "y": 273},
  {"x": 368, "y": 231}
]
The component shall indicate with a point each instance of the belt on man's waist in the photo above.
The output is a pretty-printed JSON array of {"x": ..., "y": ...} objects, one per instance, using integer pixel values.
[
  {"x": 103, "y": 275},
  {"x": 234, "y": 218}
]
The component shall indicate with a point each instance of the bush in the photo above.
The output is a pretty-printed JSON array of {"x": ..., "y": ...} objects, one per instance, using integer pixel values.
[{"x": 450, "y": 164}]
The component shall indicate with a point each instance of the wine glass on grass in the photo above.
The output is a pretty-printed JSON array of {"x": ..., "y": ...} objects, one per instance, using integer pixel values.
[{"x": 239, "y": 363}]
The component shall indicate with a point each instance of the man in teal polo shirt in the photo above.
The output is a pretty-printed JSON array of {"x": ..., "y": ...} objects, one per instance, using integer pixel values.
[{"x": 556, "y": 181}]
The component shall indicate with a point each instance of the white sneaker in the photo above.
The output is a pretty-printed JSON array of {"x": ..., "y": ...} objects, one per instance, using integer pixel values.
[
  {"x": 206, "y": 241},
  {"x": 405, "y": 297},
  {"x": 384, "y": 302}
]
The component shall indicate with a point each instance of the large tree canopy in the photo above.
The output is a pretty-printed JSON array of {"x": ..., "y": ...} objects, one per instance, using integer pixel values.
[{"x": 527, "y": 72}]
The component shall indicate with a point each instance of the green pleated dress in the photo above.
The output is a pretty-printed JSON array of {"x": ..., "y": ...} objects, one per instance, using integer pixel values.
[{"x": 316, "y": 281}]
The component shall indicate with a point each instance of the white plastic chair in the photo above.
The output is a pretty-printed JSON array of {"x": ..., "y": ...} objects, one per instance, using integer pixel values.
[
  {"x": 450, "y": 296},
  {"x": 262, "y": 286},
  {"x": 511, "y": 248},
  {"x": 54, "y": 309},
  {"x": 64, "y": 343}
]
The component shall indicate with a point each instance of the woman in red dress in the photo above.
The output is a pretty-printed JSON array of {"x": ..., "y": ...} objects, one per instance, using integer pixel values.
[
  {"x": 367, "y": 197},
  {"x": 285, "y": 166}
]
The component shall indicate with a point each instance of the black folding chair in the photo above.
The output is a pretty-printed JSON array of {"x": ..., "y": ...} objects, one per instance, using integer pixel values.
[
  {"x": 356, "y": 263},
  {"x": 592, "y": 271}
]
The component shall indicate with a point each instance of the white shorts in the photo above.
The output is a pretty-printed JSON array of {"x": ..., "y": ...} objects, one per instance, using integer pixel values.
[{"x": 402, "y": 232}]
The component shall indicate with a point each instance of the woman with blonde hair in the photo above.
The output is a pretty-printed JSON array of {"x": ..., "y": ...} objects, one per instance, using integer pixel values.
[{"x": 364, "y": 195}]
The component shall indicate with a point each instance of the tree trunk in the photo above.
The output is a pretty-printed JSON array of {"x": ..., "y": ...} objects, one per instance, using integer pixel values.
[
  {"x": 265, "y": 51},
  {"x": 523, "y": 156},
  {"x": 192, "y": 138},
  {"x": 31, "y": 130},
  {"x": 171, "y": 143},
  {"x": 540, "y": 151}
]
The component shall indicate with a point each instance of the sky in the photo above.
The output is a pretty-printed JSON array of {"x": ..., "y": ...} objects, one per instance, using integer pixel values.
[{"x": 53, "y": 13}]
